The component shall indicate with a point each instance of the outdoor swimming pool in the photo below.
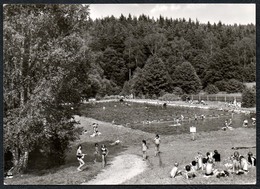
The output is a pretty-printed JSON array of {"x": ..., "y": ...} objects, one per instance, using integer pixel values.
[{"x": 159, "y": 119}]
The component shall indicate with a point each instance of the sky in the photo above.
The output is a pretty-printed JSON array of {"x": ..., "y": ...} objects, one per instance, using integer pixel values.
[{"x": 226, "y": 13}]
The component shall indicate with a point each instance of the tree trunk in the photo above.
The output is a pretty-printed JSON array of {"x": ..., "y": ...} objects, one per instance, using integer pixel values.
[{"x": 20, "y": 161}]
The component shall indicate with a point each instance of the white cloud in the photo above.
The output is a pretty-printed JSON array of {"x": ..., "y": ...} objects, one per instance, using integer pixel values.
[{"x": 159, "y": 8}]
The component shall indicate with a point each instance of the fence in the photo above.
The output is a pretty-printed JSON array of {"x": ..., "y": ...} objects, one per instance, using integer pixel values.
[{"x": 218, "y": 97}]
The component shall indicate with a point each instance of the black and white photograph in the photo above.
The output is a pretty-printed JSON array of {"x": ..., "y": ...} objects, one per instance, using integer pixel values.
[{"x": 129, "y": 94}]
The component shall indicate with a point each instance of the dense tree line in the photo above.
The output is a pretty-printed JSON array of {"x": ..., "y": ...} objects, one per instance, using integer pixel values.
[
  {"x": 196, "y": 56},
  {"x": 56, "y": 54}
]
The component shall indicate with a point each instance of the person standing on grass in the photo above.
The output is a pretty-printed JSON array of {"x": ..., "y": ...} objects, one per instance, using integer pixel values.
[
  {"x": 96, "y": 153},
  {"x": 80, "y": 157},
  {"x": 104, "y": 153},
  {"x": 157, "y": 141},
  {"x": 144, "y": 149}
]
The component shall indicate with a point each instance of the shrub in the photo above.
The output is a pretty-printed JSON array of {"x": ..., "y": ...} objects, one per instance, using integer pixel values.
[
  {"x": 177, "y": 91},
  {"x": 169, "y": 97},
  {"x": 211, "y": 89},
  {"x": 234, "y": 86},
  {"x": 184, "y": 97},
  {"x": 248, "y": 98},
  {"x": 221, "y": 85}
]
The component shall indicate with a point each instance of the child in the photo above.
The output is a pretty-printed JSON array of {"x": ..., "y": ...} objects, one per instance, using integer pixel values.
[
  {"x": 80, "y": 157},
  {"x": 175, "y": 171},
  {"x": 251, "y": 159},
  {"x": 157, "y": 141},
  {"x": 144, "y": 148},
  {"x": 104, "y": 153},
  {"x": 216, "y": 156},
  {"x": 96, "y": 153}
]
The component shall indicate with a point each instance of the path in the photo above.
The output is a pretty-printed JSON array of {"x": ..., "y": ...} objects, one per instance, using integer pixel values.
[{"x": 122, "y": 168}]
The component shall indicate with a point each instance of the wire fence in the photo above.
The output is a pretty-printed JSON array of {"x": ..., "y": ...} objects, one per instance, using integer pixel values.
[{"x": 218, "y": 97}]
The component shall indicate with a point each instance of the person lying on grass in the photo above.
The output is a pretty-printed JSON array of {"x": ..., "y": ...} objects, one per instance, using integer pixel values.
[
  {"x": 80, "y": 157},
  {"x": 175, "y": 171}
]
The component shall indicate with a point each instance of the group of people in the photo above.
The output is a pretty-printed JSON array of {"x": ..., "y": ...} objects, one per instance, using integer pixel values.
[
  {"x": 238, "y": 165},
  {"x": 157, "y": 142},
  {"x": 103, "y": 151}
]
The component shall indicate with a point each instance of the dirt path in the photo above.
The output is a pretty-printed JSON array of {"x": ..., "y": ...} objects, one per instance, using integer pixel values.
[{"x": 122, "y": 168}]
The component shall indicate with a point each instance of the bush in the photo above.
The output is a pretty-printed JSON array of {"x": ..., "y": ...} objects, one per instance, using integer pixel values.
[
  {"x": 234, "y": 86},
  {"x": 169, "y": 97},
  {"x": 184, "y": 97},
  {"x": 248, "y": 98},
  {"x": 177, "y": 91},
  {"x": 211, "y": 89},
  {"x": 221, "y": 85}
]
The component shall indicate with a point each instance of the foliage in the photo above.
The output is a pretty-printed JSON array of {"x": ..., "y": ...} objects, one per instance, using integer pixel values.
[
  {"x": 211, "y": 89},
  {"x": 186, "y": 78},
  {"x": 45, "y": 45},
  {"x": 248, "y": 98},
  {"x": 153, "y": 79}
]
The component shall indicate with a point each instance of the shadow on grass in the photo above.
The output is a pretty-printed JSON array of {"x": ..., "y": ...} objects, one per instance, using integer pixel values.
[{"x": 88, "y": 148}]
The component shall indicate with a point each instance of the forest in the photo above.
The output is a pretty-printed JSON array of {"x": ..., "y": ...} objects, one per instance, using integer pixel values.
[{"x": 57, "y": 54}]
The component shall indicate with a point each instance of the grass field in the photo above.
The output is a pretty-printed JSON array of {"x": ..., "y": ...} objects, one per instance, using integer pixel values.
[{"x": 175, "y": 148}]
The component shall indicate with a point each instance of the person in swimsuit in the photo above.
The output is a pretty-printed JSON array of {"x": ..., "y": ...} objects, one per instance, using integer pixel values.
[
  {"x": 96, "y": 153},
  {"x": 157, "y": 141},
  {"x": 104, "y": 153},
  {"x": 80, "y": 157},
  {"x": 144, "y": 148}
]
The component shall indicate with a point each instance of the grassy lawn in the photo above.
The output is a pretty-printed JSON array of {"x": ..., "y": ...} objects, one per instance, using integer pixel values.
[{"x": 177, "y": 147}]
